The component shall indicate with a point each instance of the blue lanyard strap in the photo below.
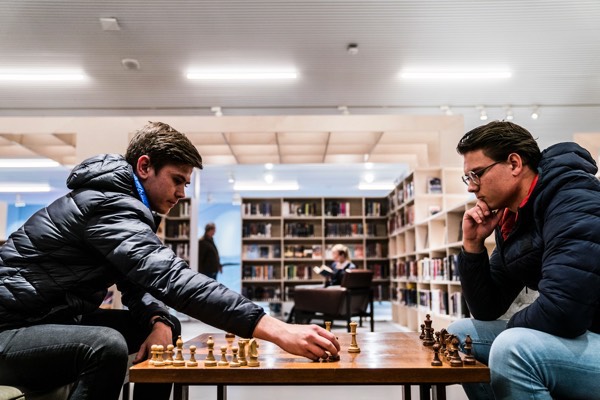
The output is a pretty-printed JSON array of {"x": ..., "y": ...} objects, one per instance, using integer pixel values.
[{"x": 141, "y": 191}]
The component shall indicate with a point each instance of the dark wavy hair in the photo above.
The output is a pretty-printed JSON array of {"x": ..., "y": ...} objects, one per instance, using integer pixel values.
[
  {"x": 498, "y": 139},
  {"x": 164, "y": 145}
]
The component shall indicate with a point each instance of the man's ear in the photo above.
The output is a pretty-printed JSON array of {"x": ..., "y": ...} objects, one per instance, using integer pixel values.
[
  {"x": 516, "y": 163},
  {"x": 142, "y": 168}
]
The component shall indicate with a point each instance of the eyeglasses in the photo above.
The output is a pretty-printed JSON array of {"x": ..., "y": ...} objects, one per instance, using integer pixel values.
[{"x": 474, "y": 177}]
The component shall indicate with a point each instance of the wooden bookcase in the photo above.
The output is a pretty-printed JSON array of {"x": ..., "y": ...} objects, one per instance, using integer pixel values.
[
  {"x": 175, "y": 229},
  {"x": 284, "y": 238},
  {"x": 424, "y": 224}
]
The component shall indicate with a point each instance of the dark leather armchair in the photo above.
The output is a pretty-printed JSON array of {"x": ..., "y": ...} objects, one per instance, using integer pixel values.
[{"x": 353, "y": 298}]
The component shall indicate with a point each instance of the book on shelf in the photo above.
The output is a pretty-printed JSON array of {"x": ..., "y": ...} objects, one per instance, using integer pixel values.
[{"x": 323, "y": 270}]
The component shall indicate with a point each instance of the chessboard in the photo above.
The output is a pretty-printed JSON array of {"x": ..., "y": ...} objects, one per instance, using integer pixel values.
[{"x": 393, "y": 358}]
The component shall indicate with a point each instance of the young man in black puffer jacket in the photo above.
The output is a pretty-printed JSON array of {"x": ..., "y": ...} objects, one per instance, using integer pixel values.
[{"x": 55, "y": 269}]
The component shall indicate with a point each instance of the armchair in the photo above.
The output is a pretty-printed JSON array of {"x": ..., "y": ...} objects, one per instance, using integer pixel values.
[{"x": 354, "y": 297}]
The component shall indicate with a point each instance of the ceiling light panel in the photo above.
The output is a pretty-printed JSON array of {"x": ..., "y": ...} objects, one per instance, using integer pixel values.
[
  {"x": 455, "y": 74},
  {"x": 39, "y": 75},
  {"x": 242, "y": 75}
]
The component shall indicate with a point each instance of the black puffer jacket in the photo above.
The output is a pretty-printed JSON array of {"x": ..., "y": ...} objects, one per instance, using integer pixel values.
[
  {"x": 554, "y": 248},
  {"x": 59, "y": 264}
]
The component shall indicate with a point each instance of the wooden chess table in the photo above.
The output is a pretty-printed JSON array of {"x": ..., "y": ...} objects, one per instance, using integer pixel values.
[{"x": 387, "y": 358}]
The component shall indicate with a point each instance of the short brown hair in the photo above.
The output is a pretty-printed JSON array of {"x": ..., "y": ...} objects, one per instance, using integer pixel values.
[
  {"x": 498, "y": 139},
  {"x": 163, "y": 145}
]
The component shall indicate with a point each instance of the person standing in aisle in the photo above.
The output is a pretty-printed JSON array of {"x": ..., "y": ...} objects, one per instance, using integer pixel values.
[
  {"x": 544, "y": 208},
  {"x": 209, "y": 262},
  {"x": 56, "y": 268}
]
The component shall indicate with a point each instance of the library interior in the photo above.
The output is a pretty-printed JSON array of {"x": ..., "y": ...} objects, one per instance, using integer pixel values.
[{"x": 319, "y": 124}]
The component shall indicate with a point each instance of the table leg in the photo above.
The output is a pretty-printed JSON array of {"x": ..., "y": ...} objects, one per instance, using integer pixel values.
[
  {"x": 439, "y": 391},
  {"x": 424, "y": 391},
  {"x": 221, "y": 392},
  {"x": 406, "y": 395},
  {"x": 181, "y": 392}
]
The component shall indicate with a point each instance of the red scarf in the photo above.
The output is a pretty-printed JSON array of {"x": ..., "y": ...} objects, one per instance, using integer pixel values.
[{"x": 509, "y": 219}]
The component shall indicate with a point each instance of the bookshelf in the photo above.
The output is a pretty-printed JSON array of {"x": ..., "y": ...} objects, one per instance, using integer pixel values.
[
  {"x": 284, "y": 238},
  {"x": 175, "y": 229},
  {"x": 424, "y": 224}
]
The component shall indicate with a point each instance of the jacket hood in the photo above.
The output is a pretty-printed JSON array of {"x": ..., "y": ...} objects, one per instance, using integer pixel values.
[
  {"x": 564, "y": 157},
  {"x": 105, "y": 172}
]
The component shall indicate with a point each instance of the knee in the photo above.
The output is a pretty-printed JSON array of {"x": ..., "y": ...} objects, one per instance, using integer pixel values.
[
  {"x": 462, "y": 328},
  {"x": 111, "y": 346},
  {"x": 515, "y": 347}
]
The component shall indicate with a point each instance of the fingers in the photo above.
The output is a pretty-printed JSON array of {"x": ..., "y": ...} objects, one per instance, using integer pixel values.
[{"x": 141, "y": 354}]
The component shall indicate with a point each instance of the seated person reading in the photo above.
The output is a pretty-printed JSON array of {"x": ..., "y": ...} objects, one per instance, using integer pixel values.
[{"x": 341, "y": 262}]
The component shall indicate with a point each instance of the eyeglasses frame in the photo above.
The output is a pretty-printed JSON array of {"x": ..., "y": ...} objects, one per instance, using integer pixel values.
[{"x": 475, "y": 176}]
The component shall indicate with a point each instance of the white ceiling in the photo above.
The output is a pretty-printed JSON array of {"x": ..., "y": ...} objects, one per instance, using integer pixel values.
[{"x": 551, "y": 47}]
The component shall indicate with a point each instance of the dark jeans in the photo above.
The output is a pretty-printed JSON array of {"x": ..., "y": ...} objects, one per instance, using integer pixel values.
[{"x": 92, "y": 355}]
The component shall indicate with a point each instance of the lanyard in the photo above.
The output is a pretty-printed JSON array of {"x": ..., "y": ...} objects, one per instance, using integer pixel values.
[{"x": 141, "y": 191}]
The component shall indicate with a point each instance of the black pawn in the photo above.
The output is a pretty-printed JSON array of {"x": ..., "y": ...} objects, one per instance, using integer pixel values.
[
  {"x": 422, "y": 335},
  {"x": 469, "y": 358},
  {"x": 436, "y": 356}
]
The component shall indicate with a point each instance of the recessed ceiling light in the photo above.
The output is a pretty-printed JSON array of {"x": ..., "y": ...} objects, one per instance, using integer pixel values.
[
  {"x": 242, "y": 75},
  {"x": 39, "y": 75},
  {"x": 444, "y": 74},
  {"x": 28, "y": 163},
  {"x": 110, "y": 24}
]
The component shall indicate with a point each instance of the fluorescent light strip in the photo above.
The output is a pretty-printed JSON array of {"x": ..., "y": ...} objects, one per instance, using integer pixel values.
[
  {"x": 28, "y": 163},
  {"x": 454, "y": 75},
  {"x": 41, "y": 75},
  {"x": 376, "y": 186},
  {"x": 259, "y": 186},
  {"x": 242, "y": 75},
  {"x": 24, "y": 187}
]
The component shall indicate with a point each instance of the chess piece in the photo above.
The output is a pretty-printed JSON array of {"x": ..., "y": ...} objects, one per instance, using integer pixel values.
[
  {"x": 159, "y": 361},
  {"x": 234, "y": 359},
  {"x": 169, "y": 359},
  {"x": 210, "y": 360},
  {"x": 229, "y": 338},
  {"x": 422, "y": 335},
  {"x": 428, "y": 339},
  {"x": 328, "y": 326},
  {"x": 353, "y": 345},
  {"x": 436, "y": 356},
  {"x": 223, "y": 361},
  {"x": 253, "y": 353},
  {"x": 242, "y": 352},
  {"x": 455, "y": 360},
  {"x": 192, "y": 361},
  {"x": 179, "y": 361},
  {"x": 469, "y": 358},
  {"x": 152, "y": 354}
]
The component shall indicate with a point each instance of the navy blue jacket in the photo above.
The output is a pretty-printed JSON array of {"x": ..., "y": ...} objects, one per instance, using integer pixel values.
[
  {"x": 554, "y": 248},
  {"x": 58, "y": 265}
]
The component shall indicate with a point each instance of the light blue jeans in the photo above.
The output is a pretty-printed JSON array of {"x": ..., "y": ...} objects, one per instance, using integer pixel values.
[{"x": 529, "y": 364}]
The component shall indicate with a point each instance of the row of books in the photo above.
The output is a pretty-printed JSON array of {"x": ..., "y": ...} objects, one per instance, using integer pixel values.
[
  {"x": 375, "y": 209},
  {"x": 337, "y": 208},
  {"x": 299, "y": 229},
  {"x": 260, "y": 251},
  {"x": 177, "y": 230},
  {"x": 377, "y": 250},
  {"x": 261, "y": 272},
  {"x": 374, "y": 229},
  {"x": 303, "y": 251},
  {"x": 182, "y": 209},
  {"x": 260, "y": 209},
  {"x": 437, "y": 301},
  {"x": 428, "y": 269},
  {"x": 301, "y": 209},
  {"x": 181, "y": 250},
  {"x": 301, "y": 272},
  {"x": 343, "y": 229},
  {"x": 262, "y": 292},
  {"x": 256, "y": 230}
]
